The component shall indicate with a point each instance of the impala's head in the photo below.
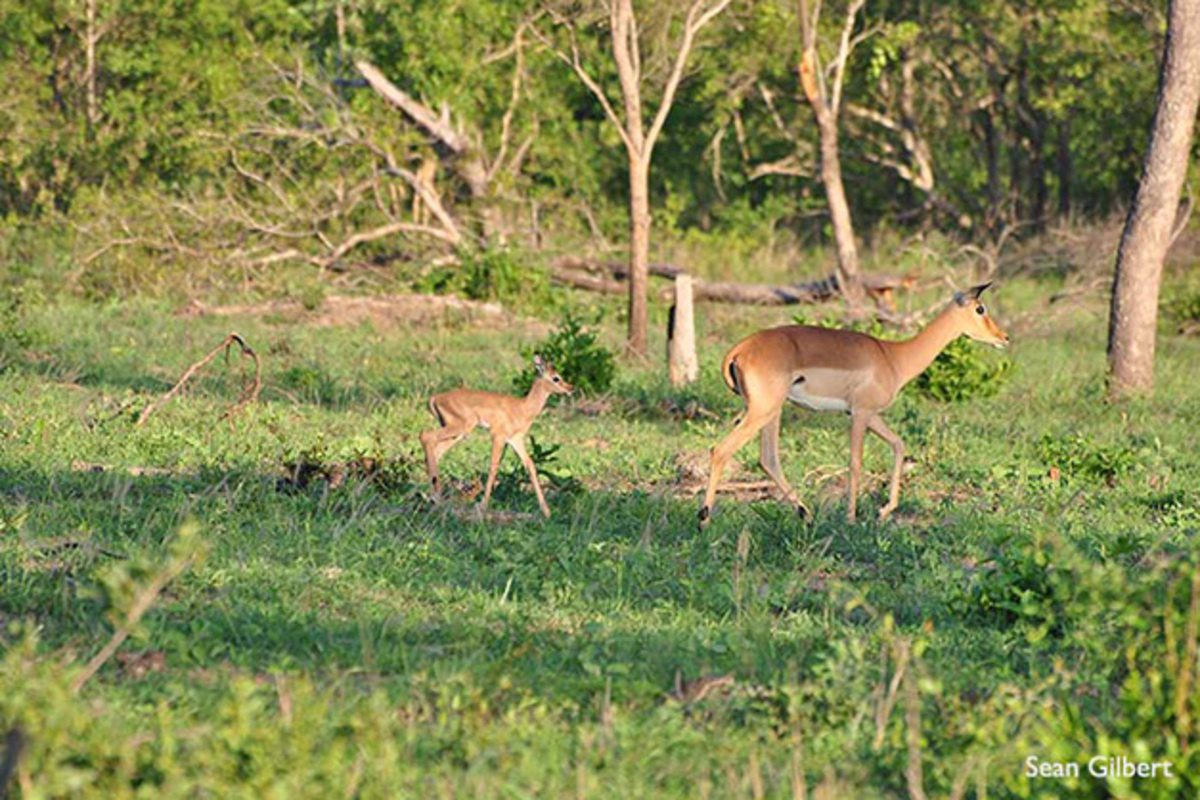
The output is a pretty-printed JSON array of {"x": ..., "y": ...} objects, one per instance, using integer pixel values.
[
  {"x": 546, "y": 372},
  {"x": 974, "y": 319}
]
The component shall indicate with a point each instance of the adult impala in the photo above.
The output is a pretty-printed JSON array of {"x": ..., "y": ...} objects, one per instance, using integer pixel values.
[
  {"x": 835, "y": 370},
  {"x": 508, "y": 418}
]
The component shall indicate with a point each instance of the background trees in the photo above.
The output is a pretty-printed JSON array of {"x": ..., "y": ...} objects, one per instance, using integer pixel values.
[{"x": 243, "y": 137}]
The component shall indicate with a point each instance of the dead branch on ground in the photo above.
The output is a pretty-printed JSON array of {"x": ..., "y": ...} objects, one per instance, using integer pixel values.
[
  {"x": 249, "y": 392},
  {"x": 582, "y": 273}
]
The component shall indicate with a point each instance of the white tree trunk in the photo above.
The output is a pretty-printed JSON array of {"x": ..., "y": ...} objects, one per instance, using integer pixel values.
[{"x": 682, "y": 364}]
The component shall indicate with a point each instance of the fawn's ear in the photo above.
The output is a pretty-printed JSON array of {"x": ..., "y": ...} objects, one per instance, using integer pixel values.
[{"x": 539, "y": 365}]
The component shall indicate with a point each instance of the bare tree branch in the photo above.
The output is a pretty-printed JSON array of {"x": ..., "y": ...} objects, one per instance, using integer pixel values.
[
  {"x": 695, "y": 21},
  {"x": 843, "y": 54},
  {"x": 437, "y": 126},
  {"x": 576, "y": 64}
]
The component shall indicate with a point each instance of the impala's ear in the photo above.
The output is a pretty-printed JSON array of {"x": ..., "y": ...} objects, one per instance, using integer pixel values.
[{"x": 539, "y": 364}]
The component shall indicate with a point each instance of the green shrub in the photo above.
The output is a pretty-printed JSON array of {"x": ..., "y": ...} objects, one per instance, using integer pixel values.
[
  {"x": 962, "y": 372},
  {"x": 496, "y": 274},
  {"x": 1077, "y": 456},
  {"x": 869, "y": 325},
  {"x": 578, "y": 356},
  {"x": 15, "y": 333},
  {"x": 1184, "y": 309}
]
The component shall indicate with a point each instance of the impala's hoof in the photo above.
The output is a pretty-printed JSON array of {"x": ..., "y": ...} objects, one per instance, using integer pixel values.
[
  {"x": 802, "y": 511},
  {"x": 885, "y": 512},
  {"x": 705, "y": 516}
]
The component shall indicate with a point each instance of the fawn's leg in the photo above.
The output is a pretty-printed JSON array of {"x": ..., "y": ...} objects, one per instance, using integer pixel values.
[
  {"x": 518, "y": 445},
  {"x": 435, "y": 443},
  {"x": 497, "y": 451},
  {"x": 752, "y": 423}
]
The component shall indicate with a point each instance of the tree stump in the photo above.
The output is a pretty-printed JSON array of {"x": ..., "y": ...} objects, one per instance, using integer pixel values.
[{"x": 682, "y": 365}]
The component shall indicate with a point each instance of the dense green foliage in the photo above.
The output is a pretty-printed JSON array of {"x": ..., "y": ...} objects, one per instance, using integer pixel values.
[
  {"x": 357, "y": 640},
  {"x": 576, "y": 351},
  {"x": 214, "y": 142},
  {"x": 961, "y": 372}
]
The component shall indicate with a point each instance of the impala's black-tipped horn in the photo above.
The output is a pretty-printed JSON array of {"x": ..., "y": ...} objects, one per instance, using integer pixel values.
[
  {"x": 975, "y": 291},
  {"x": 970, "y": 295}
]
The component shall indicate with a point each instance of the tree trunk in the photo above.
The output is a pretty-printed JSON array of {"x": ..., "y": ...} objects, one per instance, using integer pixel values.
[
  {"x": 1147, "y": 235},
  {"x": 991, "y": 152},
  {"x": 849, "y": 279},
  {"x": 839, "y": 214},
  {"x": 90, "y": 37},
  {"x": 1063, "y": 158},
  {"x": 639, "y": 251}
]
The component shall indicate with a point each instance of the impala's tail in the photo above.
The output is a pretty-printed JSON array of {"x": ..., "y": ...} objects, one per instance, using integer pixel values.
[
  {"x": 731, "y": 372},
  {"x": 437, "y": 412}
]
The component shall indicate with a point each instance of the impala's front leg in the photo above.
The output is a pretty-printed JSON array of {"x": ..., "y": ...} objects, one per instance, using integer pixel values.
[
  {"x": 877, "y": 426},
  {"x": 858, "y": 431}
]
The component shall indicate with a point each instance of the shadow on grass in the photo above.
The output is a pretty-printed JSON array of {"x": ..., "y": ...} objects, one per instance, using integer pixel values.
[{"x": 373, "y": 578}]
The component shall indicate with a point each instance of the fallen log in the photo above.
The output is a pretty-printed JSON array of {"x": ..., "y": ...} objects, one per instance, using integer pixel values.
[
  {"x": 584, "y": 280},
  {"x": 584, "y": 273}
]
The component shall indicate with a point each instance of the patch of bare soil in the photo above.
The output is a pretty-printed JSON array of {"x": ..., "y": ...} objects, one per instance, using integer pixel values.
[{"x": 384, "y": 311}]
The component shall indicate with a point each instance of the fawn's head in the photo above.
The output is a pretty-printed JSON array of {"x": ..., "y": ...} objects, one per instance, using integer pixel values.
[
  {"x": 974, "y": 320},
  {"x": 546, "y": 372}
]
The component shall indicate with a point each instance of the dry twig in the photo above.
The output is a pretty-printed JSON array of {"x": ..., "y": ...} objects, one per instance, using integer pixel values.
[{"x": 249, "y": 392}]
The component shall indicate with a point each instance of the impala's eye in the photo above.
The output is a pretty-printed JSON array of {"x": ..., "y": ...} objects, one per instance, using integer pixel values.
[
  {"x": 556, "y": 379},
  {"x": 980, "y": 310}
]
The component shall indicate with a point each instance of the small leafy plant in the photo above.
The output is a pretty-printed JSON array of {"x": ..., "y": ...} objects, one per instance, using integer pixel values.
[
  {"x": 1184, "y": 309},
  {"x": 961, "y": 372},
  {"x": 1077, "y": 456},
  {"x": 576, "y": 352},
  {"x": 491, "y": 274}
]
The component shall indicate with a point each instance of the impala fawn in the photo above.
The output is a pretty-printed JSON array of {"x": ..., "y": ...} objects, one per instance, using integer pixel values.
[
  {"x": 508, "y": 418},
  {"x": 835, "y": 370}
]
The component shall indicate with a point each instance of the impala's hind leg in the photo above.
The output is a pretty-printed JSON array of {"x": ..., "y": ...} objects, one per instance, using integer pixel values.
[
  {"x": 769, "y": 459},
  {"x": 751, "y": 423}
]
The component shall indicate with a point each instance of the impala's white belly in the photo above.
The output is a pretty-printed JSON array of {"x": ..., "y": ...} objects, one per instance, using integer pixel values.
[{"x": 822, "y": 390}]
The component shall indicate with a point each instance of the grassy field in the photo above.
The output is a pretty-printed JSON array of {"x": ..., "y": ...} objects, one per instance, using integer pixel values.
[{"x": 1033, "y": 595}]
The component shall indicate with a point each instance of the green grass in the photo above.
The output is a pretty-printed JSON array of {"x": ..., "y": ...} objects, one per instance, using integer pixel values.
[{"x": 359, "y": 640}]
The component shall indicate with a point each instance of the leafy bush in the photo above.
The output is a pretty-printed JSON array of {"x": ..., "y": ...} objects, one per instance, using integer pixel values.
[
  {"x": 868, "y": 325},
  {"x": 962, "y": 372},
  {"x": 577, "y": 354},
  {"x": 491, "y": 274},
  {"x": 15, "y": 333},
  {"x": 1184, "y": 309},
  {"x": 1077, "y": 456}
]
